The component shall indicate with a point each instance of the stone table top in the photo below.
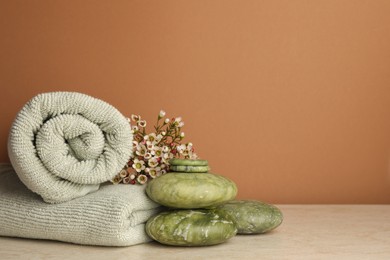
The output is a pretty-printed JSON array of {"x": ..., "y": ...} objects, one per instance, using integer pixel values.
[{"x": 308, "y": 232}]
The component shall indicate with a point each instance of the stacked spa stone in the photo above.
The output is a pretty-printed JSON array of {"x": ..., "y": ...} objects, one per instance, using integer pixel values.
[
  {"x": 201, "y": 208},
  {"x": 193, "y": 195}
]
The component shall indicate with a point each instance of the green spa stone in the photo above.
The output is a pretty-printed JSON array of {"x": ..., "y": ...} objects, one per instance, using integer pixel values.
[
  {"x": 191, "y": 227},
  {"x": 188, "y": 162},
  {"x": 253, "y": 217},
  {"x": 188, "y": 168},
  {"x": 191, "y": 191}
]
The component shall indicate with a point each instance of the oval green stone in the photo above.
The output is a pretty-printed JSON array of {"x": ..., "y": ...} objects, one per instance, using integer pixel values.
[
  {"x": 190, "y": 191},
  {"x": 191, "y": 227},
  {"x": 253, "y": 217},
  {"x": 188, "y": 168},
  {"x": 188, "y": 162}
]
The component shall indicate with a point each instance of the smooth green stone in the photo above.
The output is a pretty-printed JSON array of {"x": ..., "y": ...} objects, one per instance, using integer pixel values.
[
  {"x": 190, "y": 191},
  {"x": 188, "y": 168},
  {"x": 191, "y": 227},
  {"x": 188, "y": 162},
  {"x": 253, "y": 217}
]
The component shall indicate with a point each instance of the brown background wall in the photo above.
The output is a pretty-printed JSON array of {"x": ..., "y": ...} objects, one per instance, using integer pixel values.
[{"x": 290, "y": 99}]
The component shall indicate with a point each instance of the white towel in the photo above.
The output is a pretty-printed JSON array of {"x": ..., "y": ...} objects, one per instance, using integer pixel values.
[
  {"x": 112, "y": 216},
  {"x": 64, "y": 144}
]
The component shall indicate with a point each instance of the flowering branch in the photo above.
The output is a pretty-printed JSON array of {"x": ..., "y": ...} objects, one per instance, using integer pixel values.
[{"x": 152, "y": 152}]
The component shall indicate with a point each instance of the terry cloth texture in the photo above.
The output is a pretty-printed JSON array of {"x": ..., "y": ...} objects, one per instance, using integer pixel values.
[
  {"x": 112, "y": 216},
  {"x": 63, "y": 145}
]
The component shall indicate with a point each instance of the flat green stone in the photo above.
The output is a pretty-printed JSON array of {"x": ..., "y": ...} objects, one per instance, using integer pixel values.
[
  {"x": 188, "y": 168},
  {"x": 253, "y": 217},
  {"x": 191, "y": 191},
  {"x": 188, "y": 162},
  {"x": 191, "y": 227}
]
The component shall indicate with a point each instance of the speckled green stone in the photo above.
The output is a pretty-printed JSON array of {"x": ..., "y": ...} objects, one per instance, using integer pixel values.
[
  {"x": 188, "y": 162},
  {"x": 191, "y": 191},
  {"x": 253, "y": 217},
  {"x": 191, "y": 227},
  {"x": 188, "y": 168}
]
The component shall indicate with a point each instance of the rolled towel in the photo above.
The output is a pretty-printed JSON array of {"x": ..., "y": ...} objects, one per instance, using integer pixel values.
[
  {"x": 63, "y": 145},
  {"x": 112, "y": 216}
]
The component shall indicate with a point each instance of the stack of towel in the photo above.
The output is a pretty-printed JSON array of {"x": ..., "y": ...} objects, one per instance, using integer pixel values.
[{"x": 63, "y": 146}]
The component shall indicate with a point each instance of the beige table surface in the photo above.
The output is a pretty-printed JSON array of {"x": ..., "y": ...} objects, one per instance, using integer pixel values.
[{"x": 307, "y": 232}]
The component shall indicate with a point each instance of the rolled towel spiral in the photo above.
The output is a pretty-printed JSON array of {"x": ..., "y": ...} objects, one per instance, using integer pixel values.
[{"x": 63, "y": 145}]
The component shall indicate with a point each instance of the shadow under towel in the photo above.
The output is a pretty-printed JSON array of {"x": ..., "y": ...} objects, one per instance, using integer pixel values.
[
  {"x": 112, "y": 216},
  {"x": 64, "y": 144}
]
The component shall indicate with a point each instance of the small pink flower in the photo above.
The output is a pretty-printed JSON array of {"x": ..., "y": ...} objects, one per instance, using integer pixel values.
[
  {"x": 141, "y": 150},
  {"x": 142, "y": 179},
  {"x": 142, "y": 123},
  {"x": 153, "y": 162},
  {"x": 117, "y": 179},
  {"x": 135, "y": 118},
  {"x": 138, "y": 165},
  {"x": 126, "y": 180},
  {"x": 123, "y": 173}
]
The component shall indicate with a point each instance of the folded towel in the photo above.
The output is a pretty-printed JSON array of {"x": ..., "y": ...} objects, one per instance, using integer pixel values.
[
  {"x": 112, "y": 216},
  {"x": 64, "y": 144}
]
